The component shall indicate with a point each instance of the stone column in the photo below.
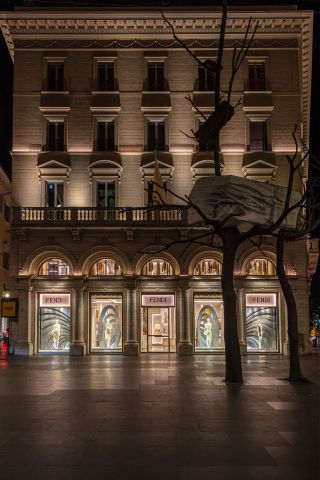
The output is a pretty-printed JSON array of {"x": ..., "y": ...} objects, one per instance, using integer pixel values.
[
  {"x": 22, "y": 329},
  {"x": 184, "y": 340},
  {"x": 78, "y": 346},
  {"x": 131, "y": 346},
  {"x": 241, "y": 306}
]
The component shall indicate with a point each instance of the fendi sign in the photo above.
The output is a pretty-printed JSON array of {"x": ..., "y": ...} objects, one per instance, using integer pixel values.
[
  {"x": 156, "y": 300},
  {"x": 261, "y": 300},
  {"x": 54, "y": 300}
]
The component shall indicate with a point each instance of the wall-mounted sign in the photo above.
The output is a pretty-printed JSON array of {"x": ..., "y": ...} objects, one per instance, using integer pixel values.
[
  {"x": 54, "y": 300},
  {"x": 157, "y": 300},
  {"x": 9, "y": 307},
  {"x": 261, "y": 299}
]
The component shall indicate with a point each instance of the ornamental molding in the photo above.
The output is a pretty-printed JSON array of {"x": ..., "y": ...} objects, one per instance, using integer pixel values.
[{"x": 57, "y": 44}]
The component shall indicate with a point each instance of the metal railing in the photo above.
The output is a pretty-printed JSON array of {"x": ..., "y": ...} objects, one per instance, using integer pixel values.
[{"x": 113, "y": 217}]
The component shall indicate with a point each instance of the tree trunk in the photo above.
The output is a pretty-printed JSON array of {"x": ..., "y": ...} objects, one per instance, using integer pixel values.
[
  {"x": 231, "y": 339},
  {"x": 295, "y": 374}
]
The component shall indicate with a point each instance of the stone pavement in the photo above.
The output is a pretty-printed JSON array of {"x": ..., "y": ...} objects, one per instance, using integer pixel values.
[{"x": 156, "y": 417}]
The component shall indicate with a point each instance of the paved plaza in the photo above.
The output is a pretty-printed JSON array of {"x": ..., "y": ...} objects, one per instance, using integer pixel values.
[{"x": 156, "y": 417}]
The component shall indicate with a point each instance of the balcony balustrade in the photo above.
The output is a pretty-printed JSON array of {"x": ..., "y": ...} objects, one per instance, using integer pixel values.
[{"x": 100, "y": 217}]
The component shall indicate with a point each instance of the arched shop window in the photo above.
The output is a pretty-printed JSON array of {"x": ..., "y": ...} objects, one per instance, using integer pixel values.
[
  {"x": 260, "y": 266},
  {"x": 208, "y": 266},
  {"x": 157, "y": 266},
  {"x": 105, "y": 266},
  {"x": 54, "y": 267}
]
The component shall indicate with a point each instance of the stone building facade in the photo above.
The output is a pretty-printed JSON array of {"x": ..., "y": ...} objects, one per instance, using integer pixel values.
[{"x": 99, "y": 99}]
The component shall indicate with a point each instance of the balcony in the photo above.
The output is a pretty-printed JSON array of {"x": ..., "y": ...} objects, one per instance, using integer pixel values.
[{"x": 171, "y": 216}]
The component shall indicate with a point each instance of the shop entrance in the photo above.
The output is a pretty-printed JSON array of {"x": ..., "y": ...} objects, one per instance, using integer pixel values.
[{"x": 158, "y": 325}]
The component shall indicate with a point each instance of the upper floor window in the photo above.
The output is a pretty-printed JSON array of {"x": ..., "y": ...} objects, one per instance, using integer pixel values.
[
  {"x": 55, "y": 135},
  {"x": 156, "y": 135},
  {"x": 54, "y": 194},
  {"x": 5, "y": 260},
  {"x": 257, "y": 81},
  {"x": 105, "y": 266},
  {"x": 260, "y": 266},
  {"x": 105, "y": 76},
  {"x": 54, "y": 266},
  {"x": 156, "y": 81},
  {"x": 157, "y": 266},
  {"x": 55, "y": 76},
  {"x": 206, "y": 79},
  {"x": 258, "y": 135},
  {"x": 208, "y": 266},
  {"x": 106, "y": 194},
  {"x": 156, "y": 196},
  {"x": 105, "y": 136}
]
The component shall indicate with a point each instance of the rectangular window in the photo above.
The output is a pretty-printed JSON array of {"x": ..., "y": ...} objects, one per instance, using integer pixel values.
[
  {"x": 257, "y": 80},
  {"x": 105, "y": 76},
  {"x": 55, "y": 76},
  {"x": 156, "y": 77},
  {"x": 106, "y": 323},
  {"x": 5, "y": 261},
  {"x": 258, "y": 136},
  {"x": 54, "y": 194},
  {"x": 105, "y": 136},
  {"x": 150, "y": 193},
  {"x": 55, "y": 136},
  {"x": 156, "y": 135},
  {"x": 206, "y": 79},
  {"x": 106, "y": 194}
]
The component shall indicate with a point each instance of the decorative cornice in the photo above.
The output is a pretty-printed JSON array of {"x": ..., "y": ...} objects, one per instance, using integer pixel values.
[{"x": 148, "y": 44}]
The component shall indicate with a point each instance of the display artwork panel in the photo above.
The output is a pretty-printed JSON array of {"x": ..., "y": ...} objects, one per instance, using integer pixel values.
[
  {"x": 106, "y": 323},
  {"x": 209, "y": 328},
  {"x": 54, "y": 329},
  {"x": 262, "y": 328}
]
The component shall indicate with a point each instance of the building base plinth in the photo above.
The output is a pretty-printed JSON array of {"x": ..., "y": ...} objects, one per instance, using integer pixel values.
[
  {"x": 185, "y": 349},
  {"x": 131, "y": 349},
  {"x": 78, "y": 349},
  {"x": 25, "y": 349}
]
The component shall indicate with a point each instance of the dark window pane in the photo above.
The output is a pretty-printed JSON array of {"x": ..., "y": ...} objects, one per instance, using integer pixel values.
[
  {"x": 256, "y": 77},
  {"x": 258, "y": 135},
  {"x": 101, "y": 136},
  {"x": 111, "y": 194},
  {"x": 110, "y": 135},
  {"x": 151, "y": 136},
  {"x": 155, "y": 77},
  {"x": 59, "y": 189},
  {"x": 101, "y": 195},
  {"x": 50, "y": 195},
  {"x": 206, "y": 79},
  {"x": 160, "y": 77},
  {"x": 55, "y": 76},
  {"x": 105, "y": 76},
  {"x": 151, "y": 77},
  {"x": 60, "y": 136},
  {"x": 161, "y": 141},
  {"x": 55, "y": 139},
  {"x": 54, "y": 194}
]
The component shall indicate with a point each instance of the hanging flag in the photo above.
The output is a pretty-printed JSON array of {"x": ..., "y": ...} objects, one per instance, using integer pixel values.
[{"x": 159, "y": 196}]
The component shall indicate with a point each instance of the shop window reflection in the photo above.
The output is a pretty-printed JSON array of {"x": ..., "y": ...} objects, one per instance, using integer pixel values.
[
  {"x": 157, "y": 266},
  {"x": 260, "y": 266},
  {"x": 54, "y": 267},
  {"x": 208, "y": 266},
  {"x": 105, "y": 266}
]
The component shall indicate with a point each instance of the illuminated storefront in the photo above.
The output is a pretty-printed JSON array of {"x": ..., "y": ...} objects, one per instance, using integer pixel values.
[
  {"x": 262, "y": 331},
  {"x": 106, "y": 323},
  {"x": 208, "y": 325},
  {"x": 54, "y": 322},
  {"x": 158, "y": 323}
]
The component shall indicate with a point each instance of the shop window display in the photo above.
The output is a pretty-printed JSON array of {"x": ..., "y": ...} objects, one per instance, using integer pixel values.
[
  {"x": 106, "y": 266},
  {"x": 158, "y": 325},
  {"x": 208, "y": 266},
  {"x": 262, "y": 322},
  {"x": 106, "y": 323},
  {"x": 260, "y": 266},
  {"x": 54, "y": 325},
  {"x": 208, "y": 315},
  {"x": 157, "y": 266},
  {"x": 54, "y": 266}
]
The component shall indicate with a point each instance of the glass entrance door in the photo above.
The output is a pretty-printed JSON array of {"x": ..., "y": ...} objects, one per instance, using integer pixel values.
[{"x": 158, "y": 329}]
